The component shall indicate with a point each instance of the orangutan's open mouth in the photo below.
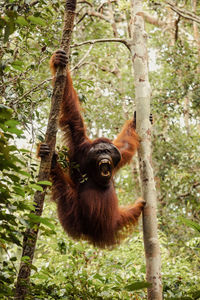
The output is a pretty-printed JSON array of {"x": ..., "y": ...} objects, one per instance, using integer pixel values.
[{"x": 105, "y": 167}]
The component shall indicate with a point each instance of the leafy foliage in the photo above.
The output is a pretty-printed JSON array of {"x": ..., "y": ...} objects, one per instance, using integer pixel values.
[{"x": 11, "y": 190}]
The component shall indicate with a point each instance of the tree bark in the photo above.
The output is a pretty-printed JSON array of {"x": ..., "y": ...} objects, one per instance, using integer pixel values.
[
  {"x": 30, "y": 235},
  {"x": 142, "y": 97}
]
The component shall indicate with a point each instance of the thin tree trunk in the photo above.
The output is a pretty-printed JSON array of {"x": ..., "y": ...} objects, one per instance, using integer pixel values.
[
  {"x": 142, "y": 97},
  {"x": 30, "y": 236}
]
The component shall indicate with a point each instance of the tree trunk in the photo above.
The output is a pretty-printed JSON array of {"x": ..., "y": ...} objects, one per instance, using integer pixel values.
[
  {"x": 142, "y": 96},
  {"x": 30, "y": 236}
]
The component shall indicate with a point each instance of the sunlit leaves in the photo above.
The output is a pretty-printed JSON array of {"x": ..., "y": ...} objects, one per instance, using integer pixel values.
[
  {"x": 37, "y": 20},
  {"x": 191, "y": 224},
  {"x": 21, "y": 21},
  {"x": 137, "y": 286}
]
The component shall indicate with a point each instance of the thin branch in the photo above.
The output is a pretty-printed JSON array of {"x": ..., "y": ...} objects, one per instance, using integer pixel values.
[
  {"x": 85, "y": 2},
  {"x": 111, "y": 40},
  {"x": 33, "y": 89},
  {"x": 195, "y": 185},
  {"x": 153, "y": 20},
  {"x": 93, "y": 13},
  {"x": 176, "y": 24},
  {"x": 104, "y": 3},
  {"x": 82, "y": 59},
  {"x": 114, "y": 71},
  {"x": 82, "y": 18},
  {"x": 183, "y": 13}
]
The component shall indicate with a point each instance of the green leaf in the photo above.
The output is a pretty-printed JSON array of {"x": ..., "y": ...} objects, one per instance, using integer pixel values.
[
  {"x": 36, "y": 187},
  {"x": 46, "y": 222},
  {"x": 37, "y": 219},
  {"x": 44, "y": 183},
  {"x": 37, "y": 20},
  {"x": 24, "y": 173},
  {"x": 21, "y": 21},
  {"x": 41, "y": 276},
  {"x": 13, "y": 258},
  {"x": 15, "y": 130},
  {"x": 12, "y": 176},
  {"x": 191, "y": 224},
  {"x": 11, "y": 123},
  {"x": 34, "y": 218},
  {"x": 24, "y": 150},
  {"x": 33, "y": 267},
  {"x": 12, "y": 148},
  {"x": 18, "y": 65},
  {"x": 19, "y": 191},
  {"x": 99, "y": 277},
  {"x": 5, "y": 112},
  {"x": 137, "y": 286},
  {"x": 14, "y": 239},
  {"x": 25, "y": 259}
]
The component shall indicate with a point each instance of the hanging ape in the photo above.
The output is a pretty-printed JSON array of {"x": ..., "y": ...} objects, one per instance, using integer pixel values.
[{"x": 88, "y": 209}]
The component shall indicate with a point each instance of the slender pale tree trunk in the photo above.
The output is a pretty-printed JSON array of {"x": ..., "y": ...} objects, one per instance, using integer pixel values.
[
  {"x": 30, "y": 236},
  {"x": 142, "y": 96}
]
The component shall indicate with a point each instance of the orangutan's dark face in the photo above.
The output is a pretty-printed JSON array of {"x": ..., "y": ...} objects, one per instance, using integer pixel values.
[{"x": 101, "y": 161}]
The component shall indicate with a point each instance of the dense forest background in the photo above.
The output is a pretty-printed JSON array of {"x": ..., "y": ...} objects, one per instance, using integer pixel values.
[{"x": 103, "y": 77}]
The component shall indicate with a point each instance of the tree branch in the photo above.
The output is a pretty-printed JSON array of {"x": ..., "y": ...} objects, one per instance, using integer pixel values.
[
  {"x": 111, "y": 40},
  {"x": 35, "y": 88},
  {"x": 153, "y": 20},
  {"x": 85, "y": 2},
  {"x": 183, "y": 13},
  {"x": 195, "y": 185},
  {"x": 104, "y": 3},
  {"x": 82, "y": 59},
  {"x": 94, "y": 13}
]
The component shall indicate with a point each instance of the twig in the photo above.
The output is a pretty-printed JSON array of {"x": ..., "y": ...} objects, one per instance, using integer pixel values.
[
  {"x": 32, "y": 90},
  {"x": 104, "y": 3},
  {"x": 82, "y": 59},
  {"x": 85, "y": 2},
  {"x": 99, "y": 15},
  {"x": 196, "y": 184},
  {"x": 183, "y": 13},
  {"x": 111, "y": 40},
  {"x": 82, "y": 18}
]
